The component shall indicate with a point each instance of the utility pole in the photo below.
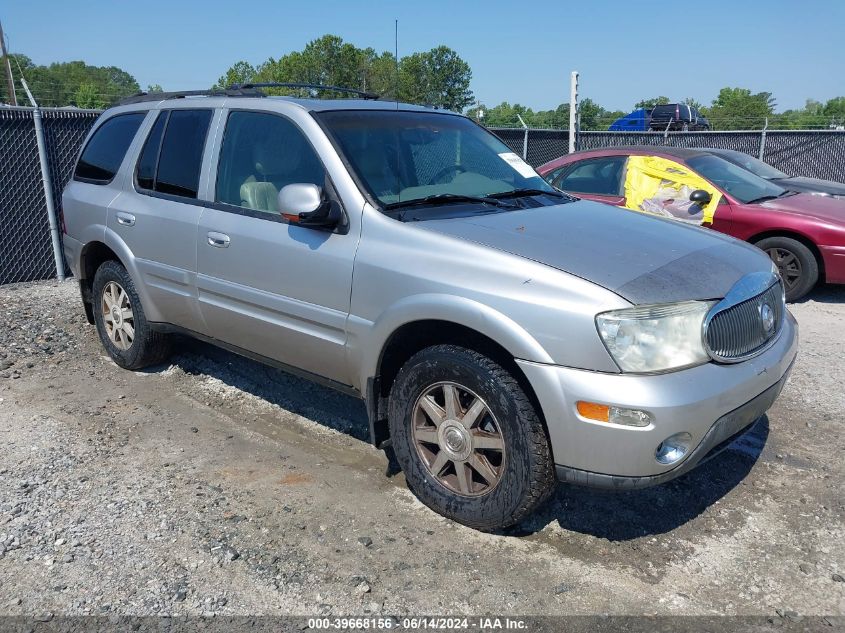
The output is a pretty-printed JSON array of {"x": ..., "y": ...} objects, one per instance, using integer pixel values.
[{"x": 9, "y": 81}]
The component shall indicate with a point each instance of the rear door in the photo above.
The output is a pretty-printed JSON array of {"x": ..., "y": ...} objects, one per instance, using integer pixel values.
[
  {"x": 266, "y": 285},
  {"x": 601, "y": 179},
  {"x": 157, "y": 213}
]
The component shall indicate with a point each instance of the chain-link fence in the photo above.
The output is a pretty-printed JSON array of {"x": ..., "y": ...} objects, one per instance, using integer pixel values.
[
  {"x": 25, "y": 247},
  {"x": 26, "y": 251},
  {"x": 813, "y": 153}
]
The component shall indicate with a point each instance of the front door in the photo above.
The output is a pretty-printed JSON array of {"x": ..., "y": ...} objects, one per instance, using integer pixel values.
[{"x": 264, "y": 284}]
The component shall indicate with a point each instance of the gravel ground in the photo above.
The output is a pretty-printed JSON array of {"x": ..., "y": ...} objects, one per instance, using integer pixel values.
[{"x": 217, "y": 485}]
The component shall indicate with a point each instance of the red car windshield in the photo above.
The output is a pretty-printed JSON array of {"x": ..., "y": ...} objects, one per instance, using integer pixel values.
[{"x": 738, "y": 182}]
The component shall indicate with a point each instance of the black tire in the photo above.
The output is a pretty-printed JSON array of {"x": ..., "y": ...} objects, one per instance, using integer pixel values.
[
  {"x": 146, "y": 347},
  {"x": 796, "y": 264},
  {"x": 527, "y": 475}
]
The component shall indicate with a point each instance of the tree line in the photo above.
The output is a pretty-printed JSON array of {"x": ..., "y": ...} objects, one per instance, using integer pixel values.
[
  {"x": 438, "y": 77},
  {"x": 732, "y": 109}
]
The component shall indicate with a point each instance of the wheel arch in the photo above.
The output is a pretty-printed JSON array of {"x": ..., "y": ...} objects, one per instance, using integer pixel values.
[
  {"x": 413, "y": 336},
  {"x": 110, "y": 247},
  {"x": 798, "y": 237}
]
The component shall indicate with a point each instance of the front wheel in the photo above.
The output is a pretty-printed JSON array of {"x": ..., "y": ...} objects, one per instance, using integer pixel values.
[
  {"x": 468, "y": 438},
  {"x": 795, "y": 262}
]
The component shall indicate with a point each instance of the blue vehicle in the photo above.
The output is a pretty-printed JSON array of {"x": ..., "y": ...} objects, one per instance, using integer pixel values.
[{"x": 636, "y": 121}]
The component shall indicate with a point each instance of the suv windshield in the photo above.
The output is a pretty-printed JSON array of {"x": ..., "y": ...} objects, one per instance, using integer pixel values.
[
  {"x": 741, "y": 184},
  {"x": 424, "y": 158}
]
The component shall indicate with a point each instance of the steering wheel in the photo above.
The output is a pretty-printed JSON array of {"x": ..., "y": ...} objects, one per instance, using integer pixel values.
[{"x": 440, "y": 176}]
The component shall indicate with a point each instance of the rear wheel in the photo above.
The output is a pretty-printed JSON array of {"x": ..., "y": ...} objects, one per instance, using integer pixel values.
[
  {"x": 795, "y": 262},
  {"x": 121, "y": 322},
  {"x": 468, "y": 438}
]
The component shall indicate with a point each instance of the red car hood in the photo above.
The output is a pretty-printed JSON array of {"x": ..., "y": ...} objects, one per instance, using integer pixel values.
[{"x": 821, "y": 207}]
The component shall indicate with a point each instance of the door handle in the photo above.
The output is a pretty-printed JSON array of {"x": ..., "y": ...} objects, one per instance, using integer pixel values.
[
  {"x": 126, "y": 219},
  {"x": 219, "y": 240}
]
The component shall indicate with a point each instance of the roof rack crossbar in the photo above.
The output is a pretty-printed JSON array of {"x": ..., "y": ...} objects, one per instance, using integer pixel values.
[
  {"x": 142, "y": 97},
  {"x": 305, "y": 86}
]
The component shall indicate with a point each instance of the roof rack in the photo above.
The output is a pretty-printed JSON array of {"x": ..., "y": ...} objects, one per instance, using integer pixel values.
[
  {"x": 233, "y": 91},
  {"x": 315, "y": 87}
]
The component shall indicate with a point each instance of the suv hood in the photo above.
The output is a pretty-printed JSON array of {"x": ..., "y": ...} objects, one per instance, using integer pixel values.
[
  {"x": 800, "y": 183},
  {"x": 644, "y": 259}
]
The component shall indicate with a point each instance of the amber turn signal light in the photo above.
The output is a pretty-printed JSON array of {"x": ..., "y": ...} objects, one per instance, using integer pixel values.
[{"x": 593, "y": 411}]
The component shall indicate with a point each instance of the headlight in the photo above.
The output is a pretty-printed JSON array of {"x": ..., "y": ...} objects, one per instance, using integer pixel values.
[{"x": 655, "y": 338}]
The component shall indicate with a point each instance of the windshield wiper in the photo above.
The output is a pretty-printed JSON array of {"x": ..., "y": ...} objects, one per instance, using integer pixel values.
[
  {"x": 766, "y": 198},
  {"x": 442, "y": 198},
  {"x": 519, "y": 193}
]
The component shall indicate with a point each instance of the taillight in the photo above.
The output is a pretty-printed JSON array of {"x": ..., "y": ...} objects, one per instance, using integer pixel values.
[{"x": 677, "y": 112}]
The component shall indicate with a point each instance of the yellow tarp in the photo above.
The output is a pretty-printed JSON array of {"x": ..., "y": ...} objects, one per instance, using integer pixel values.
[{"x": 661, "y": 186}]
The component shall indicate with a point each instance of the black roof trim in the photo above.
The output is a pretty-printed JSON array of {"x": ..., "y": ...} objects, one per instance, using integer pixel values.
[
  {"x": 276, "y": 84},
  {"x": 142, "y": 97}
]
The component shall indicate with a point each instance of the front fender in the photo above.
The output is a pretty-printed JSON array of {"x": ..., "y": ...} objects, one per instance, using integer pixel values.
[{"x": 367, "y": 339}]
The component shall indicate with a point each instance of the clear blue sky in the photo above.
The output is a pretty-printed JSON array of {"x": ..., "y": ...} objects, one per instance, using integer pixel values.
[{"x": 520, "y": 52}]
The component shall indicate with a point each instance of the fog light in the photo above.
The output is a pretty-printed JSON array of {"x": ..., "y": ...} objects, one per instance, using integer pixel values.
[
  {"x": 614, "y": 415},
  {"x": 673, "y": 448}
]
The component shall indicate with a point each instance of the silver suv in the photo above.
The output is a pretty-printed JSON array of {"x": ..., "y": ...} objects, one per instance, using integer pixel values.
[{"x": 503, "y": 334}]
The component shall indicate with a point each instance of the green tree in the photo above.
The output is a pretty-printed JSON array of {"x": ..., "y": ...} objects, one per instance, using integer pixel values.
[
  {"x": 591, "y": 115},
  {"x": 438, "y": 77},
  {"x": 240, "y": 72},
  {"x": 154, "y": 88},
  {"x": 71, "y": 83},
  {"x": 649, "y": 104},
  {"x": 693, "y": 103},
  {"x": 739, "y": 109},
  {"x": 86, "y": 96}
]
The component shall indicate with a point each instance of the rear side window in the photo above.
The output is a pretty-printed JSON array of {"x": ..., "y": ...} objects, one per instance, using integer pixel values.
[
  {"x": 103, "y": 154},
  {"x": 601, "y": 176},
  {"x": 149, "y": 155},
  {"x": 172, "y": 156}
]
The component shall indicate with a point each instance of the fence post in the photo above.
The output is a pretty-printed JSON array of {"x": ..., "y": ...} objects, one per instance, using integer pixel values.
[
  {"x": 573, "y": 108},
  {"x": 763, "y": 139},
  {"x": 48, "y": 185},
  {"x": 524, "y": 138}
]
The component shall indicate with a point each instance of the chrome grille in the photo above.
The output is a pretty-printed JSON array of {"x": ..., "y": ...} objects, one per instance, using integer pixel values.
[{"x": 736, "y": 332}]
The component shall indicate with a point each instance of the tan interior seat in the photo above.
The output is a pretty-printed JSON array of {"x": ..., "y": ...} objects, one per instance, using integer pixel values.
[{"x": 259, "y": 195}]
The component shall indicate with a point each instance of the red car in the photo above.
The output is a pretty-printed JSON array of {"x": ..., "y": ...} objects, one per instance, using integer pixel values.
[{"x": 804, "y": 234}]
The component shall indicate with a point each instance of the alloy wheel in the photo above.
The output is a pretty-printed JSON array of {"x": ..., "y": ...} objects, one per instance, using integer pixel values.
[
  {"x": 117, "y": 316},
  {"x": 458, "y": 439}
]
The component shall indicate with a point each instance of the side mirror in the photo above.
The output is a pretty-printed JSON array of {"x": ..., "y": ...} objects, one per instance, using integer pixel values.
[
  {"x": 700, "y": 196},
  {"x": 304, "y": 204}
]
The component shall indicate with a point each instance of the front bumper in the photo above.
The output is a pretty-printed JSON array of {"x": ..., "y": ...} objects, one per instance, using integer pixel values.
[{"x": 712, "y": 402}]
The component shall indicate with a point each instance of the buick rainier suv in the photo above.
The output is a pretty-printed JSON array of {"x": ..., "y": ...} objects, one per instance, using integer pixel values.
[{"x": 503, "y": 334}]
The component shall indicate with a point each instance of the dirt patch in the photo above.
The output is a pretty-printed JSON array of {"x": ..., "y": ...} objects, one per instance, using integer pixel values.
[{"x": 217, "y": 485}]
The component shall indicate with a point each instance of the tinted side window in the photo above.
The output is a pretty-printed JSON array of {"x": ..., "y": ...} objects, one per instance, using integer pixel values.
[
  {"x": 103, "y": 154},
  {"x": 181, "y": 152},
  {"x": 599, "y": 176},
  {"x": 262, "y": 153},
  {"x": 148, "y": 160}
]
